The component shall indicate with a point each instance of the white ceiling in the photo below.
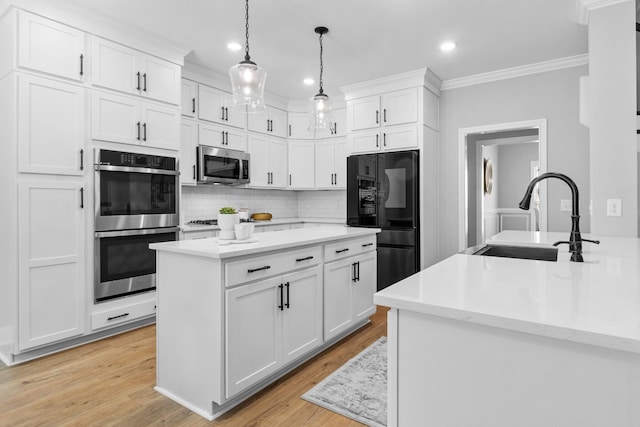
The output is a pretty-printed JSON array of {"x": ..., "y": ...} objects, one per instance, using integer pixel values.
[{"x": 367, "y": 39}]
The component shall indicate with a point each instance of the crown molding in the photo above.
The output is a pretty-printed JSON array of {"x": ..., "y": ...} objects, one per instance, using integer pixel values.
[
  {"x": 523, "y": 70},
  {"x": 422, "y": 77},
  {"x": 584, "y": 8}
]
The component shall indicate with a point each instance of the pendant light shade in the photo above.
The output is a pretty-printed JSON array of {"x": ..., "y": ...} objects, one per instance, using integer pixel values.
[
  {"x": 320, "y": 105},
  {"x": 247, "y": 78}
]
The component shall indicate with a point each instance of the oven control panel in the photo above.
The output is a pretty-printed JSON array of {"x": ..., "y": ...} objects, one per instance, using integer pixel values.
[{"x": 121, "y": 158}]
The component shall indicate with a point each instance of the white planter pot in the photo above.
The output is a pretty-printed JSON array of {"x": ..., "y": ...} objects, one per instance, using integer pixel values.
[{"x": 227, "y": 223}]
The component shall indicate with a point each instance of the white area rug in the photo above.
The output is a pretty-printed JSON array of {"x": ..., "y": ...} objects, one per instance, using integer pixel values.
[{"x": 358, "y": 389}]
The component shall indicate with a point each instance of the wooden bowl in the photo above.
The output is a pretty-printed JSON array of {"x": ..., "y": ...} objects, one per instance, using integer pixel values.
[{"x": 262, "y": 216}]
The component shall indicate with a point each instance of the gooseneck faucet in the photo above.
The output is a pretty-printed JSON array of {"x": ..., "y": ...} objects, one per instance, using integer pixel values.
[{"x": 575, "y": 239}]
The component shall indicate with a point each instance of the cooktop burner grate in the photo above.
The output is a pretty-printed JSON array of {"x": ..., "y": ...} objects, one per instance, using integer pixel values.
[{"x": 204, "y": 222}]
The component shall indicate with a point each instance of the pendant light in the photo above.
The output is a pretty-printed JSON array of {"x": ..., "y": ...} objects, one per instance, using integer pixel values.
[
  {"x": 247, "y": 79},
  {"x": 321, "y": 108}
]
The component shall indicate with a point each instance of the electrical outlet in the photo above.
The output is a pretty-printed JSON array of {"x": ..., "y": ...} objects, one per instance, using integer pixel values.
[
  {"x": 614, "y": 207},
  {"x": 565, "y": 205}
]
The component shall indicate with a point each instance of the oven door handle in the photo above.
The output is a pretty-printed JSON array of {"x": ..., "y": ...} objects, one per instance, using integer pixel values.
[
  {"x": 144, "y": 231},
  {"x": 136, "y": 170}
]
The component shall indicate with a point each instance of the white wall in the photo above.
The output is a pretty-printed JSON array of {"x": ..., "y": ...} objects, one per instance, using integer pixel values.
[
  {"x": 204, "y": 201},
  {"x": 553, "y": 95},
  {"x": 515, "y": 172},
  {"x": 612, "y": 71}
]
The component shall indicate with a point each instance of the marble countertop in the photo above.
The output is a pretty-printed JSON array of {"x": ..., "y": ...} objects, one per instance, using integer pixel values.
[
  {"x": 274, "y": 221},
  {"x": 595, "y": 302},
  {"x": 264, "y": 242}
]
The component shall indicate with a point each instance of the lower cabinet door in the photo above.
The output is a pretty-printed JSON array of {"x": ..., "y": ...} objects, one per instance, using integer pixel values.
[
  {"x": 338, "y": 280},
  {"x": 51, "y": 287},
  {"x": 302, "y": 314},
  {"x": 253, "y": 334},
  {"x": 364, "y": 287}
]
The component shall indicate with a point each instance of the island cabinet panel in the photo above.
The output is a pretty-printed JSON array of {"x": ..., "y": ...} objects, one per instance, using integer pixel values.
[{"x": 270, "y": 323}]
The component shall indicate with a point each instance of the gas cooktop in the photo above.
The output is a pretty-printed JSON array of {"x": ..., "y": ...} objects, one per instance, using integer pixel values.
[{"x": 203, "y": 222}]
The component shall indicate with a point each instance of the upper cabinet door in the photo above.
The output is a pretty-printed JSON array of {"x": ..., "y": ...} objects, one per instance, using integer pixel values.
[
  {"x": 160, "y": 126},
  {"x": 115, "y": 118},
  {"x": 160, "y": 79},
  {"x": 115, "y": 67},
  {"x": 278, "y": 122},
  {"x": 365, "y": 113},
  {"x": 299, "y": 126},
  {"x": 339, "y": 127},
  {"x": 53, "y": 48},
  {"x": 217, "y": 106},
  {"x": 189, "y": 98},
  {"x": 400, "y": 107},
  {"x": 51, "y": 127},
  {"x": 258, "y": 122},
  {"x": 127, "y": 70}
]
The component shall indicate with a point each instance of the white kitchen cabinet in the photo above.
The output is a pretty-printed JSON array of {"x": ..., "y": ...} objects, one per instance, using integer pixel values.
[
  {"x": 389, "y": 109},
  {"x": 188, "y": 144},
  {"x": 51, "y": 126},
  {"x": 128, "y": 120},
  {"x": 272, "y": 121},
  {"x": 222, "y": 137},
  {"x": 349, "y": 283},
  {"x": 217, "y": 106},
  {"x": 389, "y": 139},
  {"x": 270, "y": 323},
  {"x": 189, "y": 98},
  {"x": 331, "y": 163},
  {"x": 51, "y": 266},
  {"x": 299, "y": 126},
  {"x": 50, "y": 47},
  {"x": 339, "y": 127},
  {"x": 127, "y": 70},
  {"x": 301, "y": 164},
  {"x": 268, "y": 161}
]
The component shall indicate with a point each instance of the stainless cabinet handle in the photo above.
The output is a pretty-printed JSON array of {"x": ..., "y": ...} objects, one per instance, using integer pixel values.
[
  {"x": 222, "y": 109},
  {"x": 194, "y": 171},
  {"x": 384, "y": 115},
  {"x": 138, "y": 74},
  {"x": 289, "y": 179},
  {"x": 339, "y": 251},
  {"x": 81, "y": 64},
  {"x": 335, "y": 128},
  {"x": 144, "y": 79},
  {"x": 81, "y": 197},
  {"x": 281, "y": 305},
  {"x": 384, "y": 139},
  {"x": 289, "y": 130},
  {"x": 144, "y": 131},
  {"x": 226, "y": 114},
  {"x": 226, "y": 136},
  {"x": 377, "y": 140},
  {"x": 81, "y": 159},
  {"x": 367, "y": 244},
  {"x": 304, "y": 259},
  {"x": 288, "y": 305},
  {"x": 353, "y": 272},
  {"x": 138, "y": 125},
  {"x": 268, "y": 125},
  {"x": 377, "y": 116},
  {"x": 222, "y": 134},
  {"x": 193, "y": 109}
]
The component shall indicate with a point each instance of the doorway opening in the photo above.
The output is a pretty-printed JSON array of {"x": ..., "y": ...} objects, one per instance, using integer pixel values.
[{"x": 496, "y": 163}]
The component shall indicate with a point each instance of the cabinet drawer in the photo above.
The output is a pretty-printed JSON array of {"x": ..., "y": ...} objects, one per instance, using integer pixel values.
[
  {"x": 347, "y": 248},
  {"x": 123, "y": 314},
  {"x": 270, "y": 265}
]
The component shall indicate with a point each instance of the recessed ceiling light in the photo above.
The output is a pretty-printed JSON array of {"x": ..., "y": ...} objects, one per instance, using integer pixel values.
[
  {"x": 447, "y": 46},
  {"x": 234, "y": 46},
  {"x": 309, "y": 81}
]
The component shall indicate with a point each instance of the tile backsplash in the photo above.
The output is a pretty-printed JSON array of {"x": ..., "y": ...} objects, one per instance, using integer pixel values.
[{"x": 203, "y": 202}]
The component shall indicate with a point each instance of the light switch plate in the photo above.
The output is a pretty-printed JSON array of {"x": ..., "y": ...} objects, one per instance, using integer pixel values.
[
  {"x": 565, "y": 205},
  {"x": 614, "y": 207}
]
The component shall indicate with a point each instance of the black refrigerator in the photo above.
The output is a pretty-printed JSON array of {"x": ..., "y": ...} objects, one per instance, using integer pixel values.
[{"x": 383, "y": 192}]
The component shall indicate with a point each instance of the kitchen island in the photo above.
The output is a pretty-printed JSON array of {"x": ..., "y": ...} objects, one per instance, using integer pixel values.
[
  {"x": 488, "y": 341},
  {"x": 232, "y": 318}
]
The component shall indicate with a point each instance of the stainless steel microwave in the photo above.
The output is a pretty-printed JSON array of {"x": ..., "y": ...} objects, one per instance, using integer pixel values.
[{"x": 222, "y": 166}]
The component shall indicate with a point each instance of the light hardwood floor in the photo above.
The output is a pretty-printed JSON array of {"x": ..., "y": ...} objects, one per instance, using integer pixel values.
[{"x": 110, "y": 383}]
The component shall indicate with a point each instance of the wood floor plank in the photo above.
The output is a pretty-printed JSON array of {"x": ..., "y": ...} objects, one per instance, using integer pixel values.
[{"x": 110, "y": 383}]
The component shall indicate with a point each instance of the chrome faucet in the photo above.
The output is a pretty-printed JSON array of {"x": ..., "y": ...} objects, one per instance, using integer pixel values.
[{"x": 575, "y": 239}]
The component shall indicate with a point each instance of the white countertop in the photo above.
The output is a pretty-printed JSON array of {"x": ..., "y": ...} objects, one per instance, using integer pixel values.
[
  {"x": 595, "y": 302},
  {"x": 274, "y": 221},
  {"x": 268, "y": 241}
]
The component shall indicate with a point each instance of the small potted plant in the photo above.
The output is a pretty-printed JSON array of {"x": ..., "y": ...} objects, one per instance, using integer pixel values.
[{"x": 227, "y": 219}]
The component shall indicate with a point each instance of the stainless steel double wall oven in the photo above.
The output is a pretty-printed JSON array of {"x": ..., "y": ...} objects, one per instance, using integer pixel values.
[{"x": 136, "y": 203}]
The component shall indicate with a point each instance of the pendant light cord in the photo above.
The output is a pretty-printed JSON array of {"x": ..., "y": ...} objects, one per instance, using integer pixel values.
[
  {"x": 246, "y": 17},
  {"x": 321, "y": 65}
]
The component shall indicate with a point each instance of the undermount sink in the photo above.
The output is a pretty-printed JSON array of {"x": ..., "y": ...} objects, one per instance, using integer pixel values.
[{"x": 539, "y": 253}]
